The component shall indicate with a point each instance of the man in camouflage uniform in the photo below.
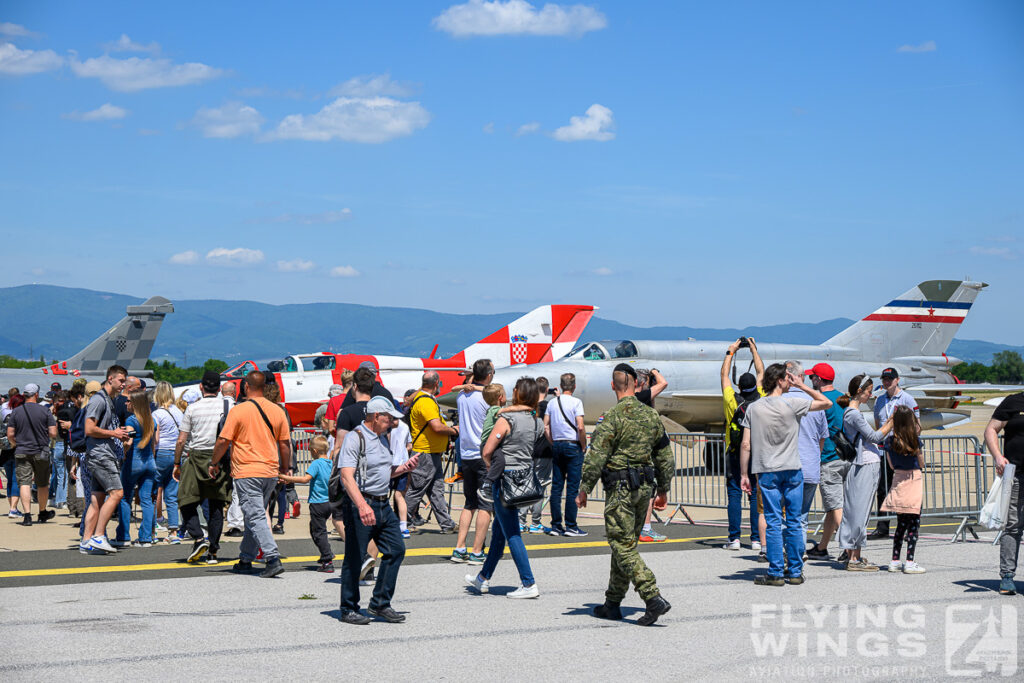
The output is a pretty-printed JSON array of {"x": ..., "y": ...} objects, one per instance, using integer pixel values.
[{"x": 626, "y": 440}]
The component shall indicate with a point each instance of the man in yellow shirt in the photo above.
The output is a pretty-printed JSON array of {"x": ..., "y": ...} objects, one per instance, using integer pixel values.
[
  {"x": 750, "y": 390},
  {"x": 430, "y": 439}
]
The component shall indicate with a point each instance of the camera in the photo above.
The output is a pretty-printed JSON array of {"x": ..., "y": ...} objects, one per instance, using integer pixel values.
[
  {"x": 744, "y": 343},
  {"x": 552, "y": 392}
]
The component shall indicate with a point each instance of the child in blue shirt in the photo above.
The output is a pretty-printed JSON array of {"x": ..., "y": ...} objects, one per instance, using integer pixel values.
[{"x": 317, "y": 475}]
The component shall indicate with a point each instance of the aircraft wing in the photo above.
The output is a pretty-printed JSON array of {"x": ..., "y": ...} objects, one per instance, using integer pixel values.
[{"x": 951, "y": 389}]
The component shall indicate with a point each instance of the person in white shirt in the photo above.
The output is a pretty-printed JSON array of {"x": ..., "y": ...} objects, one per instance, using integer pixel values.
[
  {"x": 400, "y": 439},
  {"x": 563, "y": 426},
  {"x": 472, "y": 411}
]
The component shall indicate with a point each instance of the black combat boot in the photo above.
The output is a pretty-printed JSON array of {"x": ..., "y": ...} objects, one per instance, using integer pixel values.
[
  {"x": 609, "y": 610},
  {"x": 656, "y": 606}
]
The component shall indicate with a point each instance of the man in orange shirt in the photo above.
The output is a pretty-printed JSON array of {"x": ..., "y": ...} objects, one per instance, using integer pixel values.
[{"x": 257, "y": 431}]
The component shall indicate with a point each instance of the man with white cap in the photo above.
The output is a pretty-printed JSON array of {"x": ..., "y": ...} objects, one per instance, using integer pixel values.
[
  {"x": 30, "y": 428},
  {"x": 367, "y": 466}
]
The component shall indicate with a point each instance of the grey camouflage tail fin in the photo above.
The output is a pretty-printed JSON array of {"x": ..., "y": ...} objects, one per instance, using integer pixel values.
[
  {"x": 919, "y": 323},
  {"x": 128, "y": 343}
]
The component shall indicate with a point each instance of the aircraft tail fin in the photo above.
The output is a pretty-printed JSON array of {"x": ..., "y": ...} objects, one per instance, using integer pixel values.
[
  {"x": 128, "y": 343},
  {"x": 919, "y": 322},
  {"x": 544, "y": 334}
]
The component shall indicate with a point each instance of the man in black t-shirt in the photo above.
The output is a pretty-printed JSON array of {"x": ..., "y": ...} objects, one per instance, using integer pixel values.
[{"x": 1009, "y": 418}]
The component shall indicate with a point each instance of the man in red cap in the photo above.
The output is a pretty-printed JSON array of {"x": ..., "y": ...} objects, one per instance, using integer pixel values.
[{"x": 833, "y": 469}]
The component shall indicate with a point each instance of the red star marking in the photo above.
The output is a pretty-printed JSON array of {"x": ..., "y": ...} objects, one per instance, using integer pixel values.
[{"x": 931, "y": 311}]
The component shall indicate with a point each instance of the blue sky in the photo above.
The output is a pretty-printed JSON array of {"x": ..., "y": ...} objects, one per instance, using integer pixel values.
[{"x": 705, "y": 164}]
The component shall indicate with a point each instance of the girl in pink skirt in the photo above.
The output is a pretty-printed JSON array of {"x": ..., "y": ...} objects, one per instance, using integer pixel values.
[{"x": 906, "y": 457}]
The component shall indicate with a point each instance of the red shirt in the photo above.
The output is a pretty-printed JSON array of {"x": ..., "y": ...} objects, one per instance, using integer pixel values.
[{"x": 334, "y": 407}]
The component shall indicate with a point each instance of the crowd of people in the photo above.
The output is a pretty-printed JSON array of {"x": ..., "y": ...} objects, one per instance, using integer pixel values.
[{"x": 231, "y": 460}]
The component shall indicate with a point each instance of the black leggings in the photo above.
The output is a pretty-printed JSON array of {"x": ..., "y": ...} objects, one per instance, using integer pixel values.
[{"x": 905, "y": 524}]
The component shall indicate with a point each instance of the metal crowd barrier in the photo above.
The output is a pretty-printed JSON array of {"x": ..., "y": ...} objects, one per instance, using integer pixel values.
[{"x": 957, "y": 476}]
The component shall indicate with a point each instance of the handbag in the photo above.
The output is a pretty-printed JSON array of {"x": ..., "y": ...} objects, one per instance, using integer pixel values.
[
  {"x": 846, "y": 451},
  {"x": 520, "y": 488}
]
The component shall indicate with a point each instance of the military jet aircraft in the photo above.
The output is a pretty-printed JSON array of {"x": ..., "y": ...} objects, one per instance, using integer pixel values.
[
  {"x": 128, "y": 343},
  {"x": 910, "y": 333},
  {"x": 544, "y": 334}
]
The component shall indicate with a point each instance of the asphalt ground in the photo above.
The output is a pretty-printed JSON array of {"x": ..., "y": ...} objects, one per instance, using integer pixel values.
[{"x": 211, "y": 624}]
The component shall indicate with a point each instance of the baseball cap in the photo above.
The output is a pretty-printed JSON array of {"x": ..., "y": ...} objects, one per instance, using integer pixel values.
[
  {"x": 380, "y": 404},
  {"x": 50, "y": 395},
  {"x": 890, "y": 373},
  {"x": 747, "y": 383},
  {"x": 368, "y": 364},
  {"x": 822, "y": 370},
  {"x": 335, "y": 390},
  {"x": 191, "y": 396},
  {"x": 628, "y": 369},
  {"x": 31, "y": 389},
  {"x": 91, "y": 387},
  {"x": 211, "y": 379},
  {"x": 55, "y": 386}
]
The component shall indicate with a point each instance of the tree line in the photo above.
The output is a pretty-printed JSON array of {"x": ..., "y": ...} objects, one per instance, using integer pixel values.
[
  {"x": 170, "y": 372},
  {"x": 1007, "y": 368}
]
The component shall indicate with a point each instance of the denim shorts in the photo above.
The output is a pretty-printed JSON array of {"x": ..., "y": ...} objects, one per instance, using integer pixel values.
[{"x": 105, "y": 472}]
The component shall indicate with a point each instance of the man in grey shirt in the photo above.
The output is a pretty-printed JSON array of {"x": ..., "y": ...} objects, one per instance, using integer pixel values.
[
  {"x": 30, "y": 429},
  {"x": 772, "y": 433},
  {"x": 813, "y": 432},
  {"x": 104, "y": 437},
  {"x": 366, "y": 468}
]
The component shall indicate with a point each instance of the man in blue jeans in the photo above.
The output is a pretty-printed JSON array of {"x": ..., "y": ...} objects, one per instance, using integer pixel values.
[
  {"x": 734, "y": 405},
  {"x": 770, "y": 450},
  {"x": 563, "y": 427}
]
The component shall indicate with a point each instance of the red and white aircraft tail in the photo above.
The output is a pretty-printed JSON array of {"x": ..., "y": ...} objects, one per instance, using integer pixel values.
[{"x": 544, "y": 334}]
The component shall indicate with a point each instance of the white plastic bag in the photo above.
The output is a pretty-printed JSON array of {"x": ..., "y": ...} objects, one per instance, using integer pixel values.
[{"x": 997, "y": 503}]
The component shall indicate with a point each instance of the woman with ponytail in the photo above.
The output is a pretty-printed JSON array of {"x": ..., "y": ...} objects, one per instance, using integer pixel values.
[
  {"x": 142, "y": 470},
  {"x": 862, "y": 478}
]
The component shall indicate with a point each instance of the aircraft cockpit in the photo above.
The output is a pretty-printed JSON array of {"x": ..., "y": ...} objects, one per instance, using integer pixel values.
[
  {"x": 604, "y": 350},
  {"x": 239, "y": 371},
  {"x": 308, "y": 363}
]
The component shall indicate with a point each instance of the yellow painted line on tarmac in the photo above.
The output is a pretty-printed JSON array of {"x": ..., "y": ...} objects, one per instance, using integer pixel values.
[{"x": 410, "y": 552}]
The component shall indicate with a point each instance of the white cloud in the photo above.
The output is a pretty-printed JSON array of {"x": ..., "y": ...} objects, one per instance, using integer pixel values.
[
  {"x": 17, "y": 62},
  {"x": 15, "y": 31},
  {"x": 927, "y": 46},
  {"x": 1000, "y": 252},
  {"x": 518, "y": 17},
  {"x": 106, "y": 112},
  {"x": 185, "y": 258},
  {"x": 295, "y": 266},
  {"x": 355, "y": 119},
  {"x": 489, "y": 127},
  {"x": 528, "y": 128},
  {"x": 138, "y": 73},
  {"x": 595, "y": 125},
  {"x": 321, "y": 218},
  {"x": 344, "y": 271},
  {"x": 234, "y": 257},
  {"x": 126, "y": 44},
  {"x": 372, "y": 86},
  {"x": 603, "y": 271},
  {"x": 231, "y": 120}
]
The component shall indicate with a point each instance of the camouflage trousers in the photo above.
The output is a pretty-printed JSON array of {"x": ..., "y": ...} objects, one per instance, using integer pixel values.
[{"x": 624, "y": 513}]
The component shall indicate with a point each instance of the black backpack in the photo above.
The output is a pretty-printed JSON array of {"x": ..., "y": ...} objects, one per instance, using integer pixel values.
[
  {"x": 735, "y": 429},
  {"x": 76, "y": 435}
]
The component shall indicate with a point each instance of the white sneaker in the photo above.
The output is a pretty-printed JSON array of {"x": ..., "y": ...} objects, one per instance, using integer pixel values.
[
  {"x": 913, "y": 568},
  {"x": 732, "y": 545},
  {"x": 101, "y": 543},
  {"x": 523, "y": 592},
  {"x": 895, "y": 566},
  {"x": 482, "y": 586},
  {"x": 755, "y": 546}
]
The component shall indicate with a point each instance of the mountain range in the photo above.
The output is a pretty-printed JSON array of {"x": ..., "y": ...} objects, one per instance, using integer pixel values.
[{"x": 58, "y": 321}]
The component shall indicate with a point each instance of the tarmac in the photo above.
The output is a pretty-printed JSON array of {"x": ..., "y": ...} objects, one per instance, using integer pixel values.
[{"x": 147, "y": 613}]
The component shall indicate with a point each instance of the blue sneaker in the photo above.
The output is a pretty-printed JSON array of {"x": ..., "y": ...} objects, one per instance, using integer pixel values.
[
  {"x": 536, "y": 529},
  {"x": 1006, "y": 585},
  {"x": 574, "y": 531},
  {"x": 555, "y": 530},
  {"x": 406, "y": 534},
  {"x": 476, "y": 558},
  {"x": 459, "y": 556}
]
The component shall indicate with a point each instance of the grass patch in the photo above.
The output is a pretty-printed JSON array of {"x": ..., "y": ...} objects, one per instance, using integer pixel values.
[{"x": 307, "y": 596}]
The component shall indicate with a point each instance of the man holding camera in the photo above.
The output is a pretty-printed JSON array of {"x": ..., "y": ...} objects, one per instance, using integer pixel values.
[
  {"x": 749, "y": 391},
  {"x": 632, "y": 456}
]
